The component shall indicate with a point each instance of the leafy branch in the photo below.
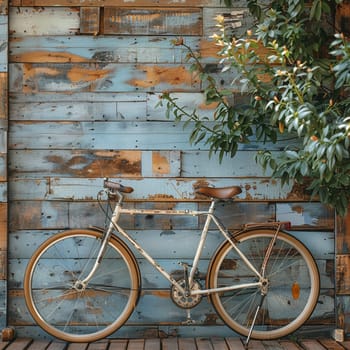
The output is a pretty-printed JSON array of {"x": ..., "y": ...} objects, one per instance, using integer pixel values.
[{"x": 295, "y": 75}]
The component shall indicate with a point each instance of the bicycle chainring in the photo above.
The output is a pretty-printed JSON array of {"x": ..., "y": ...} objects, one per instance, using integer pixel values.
[{"x": 186, "y": 301}]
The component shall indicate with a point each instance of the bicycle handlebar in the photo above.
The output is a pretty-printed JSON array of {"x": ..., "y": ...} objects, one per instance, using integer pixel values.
[{"x": 117, "y": 186}]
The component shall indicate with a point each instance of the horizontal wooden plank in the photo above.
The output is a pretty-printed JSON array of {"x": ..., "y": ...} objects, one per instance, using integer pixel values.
[
  {"x": 3, "y": 234},
  {"x": 3, "y": 41},
  {"x": 99, "y": 135},
  {"x": 82, "y": 214},
  {"x": 130, "y": 163},
  {"x": 112, "y": 49},
  {"x": 82, "y": 163},
  {"x": 45, "y": 214},
  {"x": 3, "y": 144},
  {"x": 44, "y": 20},
  {"x": 117, "y": 135},
  {"x": 154, "y": 189},
  {"x": 3, "y": 99},
  {"x": 74, "y": 110},
  {"x": 152, "y": 21},
  {"x": 3, "y": 167},
  {"x": 307, "y": 215},
  {"x": 237, "y": 18},
  {"x": 199, "y": 164},
  {"x": 91, "y": 77},
  {"x": 3, "y": 263},
  {"x": 101, "y": 107},
  {"x": 124, "y": 3},
  {"x": 75, "y": 163},
  {"x": 65, "y": 98}
]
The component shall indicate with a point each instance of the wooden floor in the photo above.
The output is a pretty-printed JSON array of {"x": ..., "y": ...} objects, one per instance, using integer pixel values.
[{"x": 176, "y": 344}]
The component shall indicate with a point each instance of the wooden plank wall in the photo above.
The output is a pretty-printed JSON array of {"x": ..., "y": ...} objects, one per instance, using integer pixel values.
[
  {"x": 84, "y": 83},
  {"x": 3, "y": 159},
  {"x": 343, "y": 224}
]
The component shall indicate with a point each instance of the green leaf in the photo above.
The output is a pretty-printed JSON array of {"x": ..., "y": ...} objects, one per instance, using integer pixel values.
[
  {"x": 292, "y": 154},
  {"x": 322, "y": 169},
  {"x": 339, "y": 151},
  {"x": 321, "y": 151},
  {"x": 316, "y": 10},
  {"x": 304, "y": 169}
]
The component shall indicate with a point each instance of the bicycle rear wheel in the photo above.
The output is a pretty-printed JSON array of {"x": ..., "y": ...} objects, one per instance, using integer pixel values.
[
  {"x": 65, "y": 308},
  {"x": 292, "y": 284}
]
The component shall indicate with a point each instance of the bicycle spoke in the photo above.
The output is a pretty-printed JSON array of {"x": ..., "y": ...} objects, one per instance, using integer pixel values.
[
  {"x": 73, "y": 309},
  {"x": 282, "y": 310}
]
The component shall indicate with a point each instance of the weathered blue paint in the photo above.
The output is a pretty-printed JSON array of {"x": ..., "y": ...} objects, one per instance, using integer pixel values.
[
  {"x": 3, "y": 160},
  {"x": 82, "y": 107}
]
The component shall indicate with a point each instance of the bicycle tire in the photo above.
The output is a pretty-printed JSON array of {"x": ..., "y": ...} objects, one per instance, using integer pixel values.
[
  {"x": 293, "y": 285},
  {"x": 81, "y": 315}
]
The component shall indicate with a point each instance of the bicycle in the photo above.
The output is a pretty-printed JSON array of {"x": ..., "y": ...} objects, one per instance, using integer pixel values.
[{"x": 82, "y": 285}]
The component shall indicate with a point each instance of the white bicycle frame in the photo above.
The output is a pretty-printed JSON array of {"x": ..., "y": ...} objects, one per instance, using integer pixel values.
[{"x": 210, "y": 217}]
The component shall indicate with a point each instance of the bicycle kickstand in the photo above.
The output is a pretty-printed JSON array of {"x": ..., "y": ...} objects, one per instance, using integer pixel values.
[{"x": 246, "y": 343}]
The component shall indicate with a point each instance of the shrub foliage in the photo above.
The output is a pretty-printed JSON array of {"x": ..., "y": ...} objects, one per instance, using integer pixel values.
[{"x": 294, "y": 67}]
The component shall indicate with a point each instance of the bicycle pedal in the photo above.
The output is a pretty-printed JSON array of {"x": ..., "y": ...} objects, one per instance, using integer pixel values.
[{"x": 188, "y": 322}]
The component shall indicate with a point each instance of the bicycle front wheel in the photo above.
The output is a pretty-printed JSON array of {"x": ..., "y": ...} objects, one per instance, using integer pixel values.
[
  {"x": 65, "y": 307},
  {"x": 288, "y": 296}
]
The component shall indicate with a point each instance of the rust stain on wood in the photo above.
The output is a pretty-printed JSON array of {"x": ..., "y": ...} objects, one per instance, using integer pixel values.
[
  {"x": 4, "y": 7},
  {"x": 298, "y": 192},
  {"x": 47, "y": 57},
  {"x": 156, "y": 75},
  {"x": 34, "y": 75},
  {"x": 30, "y": 71},
  {"x": 159, "y": 196},
  {"x": 160, "y": 164},
  {"x": 3, "y": 265},
  {"x": 102, "y": 163},
  {"x": 3, "y": 225},
  {"x": 208, "y": 49},
  {"x": 79, "y": 74},
  {"x": 3, "y": 95},
  {"x": 105, "y": 3},
  {"x": 90, "y": 20},
  {"x": 16, "y": 293},
  {"x": 342, "y": 274},
  {"x": 343, "y": 234}
]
